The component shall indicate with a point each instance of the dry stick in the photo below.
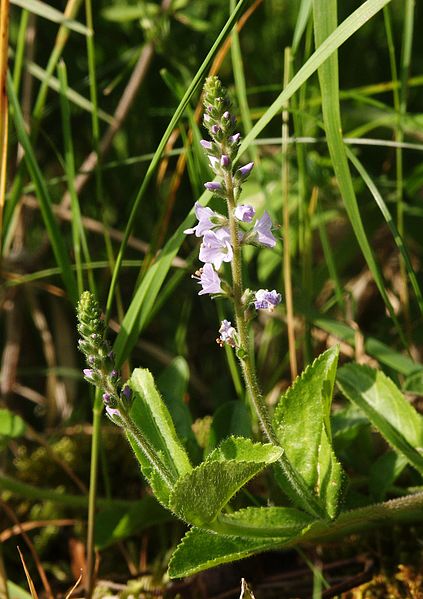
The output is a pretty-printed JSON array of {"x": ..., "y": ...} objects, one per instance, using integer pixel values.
[
  {"x": 286, "y": 240},
  {"x": 138, "y": 75},
  {"x": 31, "y": 547},
  {"x": 17, "y": 529}
]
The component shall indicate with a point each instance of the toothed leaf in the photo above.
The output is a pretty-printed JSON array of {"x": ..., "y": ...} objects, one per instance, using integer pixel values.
[
  {"x": 302, "y": 423},
  {"x": 199, "y": 496}
]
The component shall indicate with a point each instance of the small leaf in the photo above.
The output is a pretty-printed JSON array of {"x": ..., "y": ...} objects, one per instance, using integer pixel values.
[
  {"x": 151, "y": 417},
  {"x": 386, "y": 408},
  {"x": 199, "y": 496},
  {"x": 201, "y": 549},
  {"x": 302, "y": 423},
  {"x": 384, "y": 473},
  {"x": 116, "y": 523},
  {"x": 11, "y": 425}
]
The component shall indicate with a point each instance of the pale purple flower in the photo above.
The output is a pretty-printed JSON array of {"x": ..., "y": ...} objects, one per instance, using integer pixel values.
[
  {"x": 267, "y": 300},
  {"x": 263, "y": 231},
  {"x": 224, "y": 161},
  {"x": 213, "y": 186},
  {"x": 243, "y": 172},
  {"x": 215, "y": 129},
  {"x": 244, "y": 212},
  {"x": 127, "y": 392},
  {"x": 227, "y": 333},
  {"x": 112, "y": 411},
  {"x": 226, "y": 114},
  {"x": 213, "y": 161},
  {"x": 207, "y": 220},
  {"x": 208, "y": 279},
  {"x": 207, "y": 145},
  {"x": 89, "y": 374},
  {"x": 234, "y": 139},
  {"x": 106, "y": 397},
  {"x": 216, "y": 248}
]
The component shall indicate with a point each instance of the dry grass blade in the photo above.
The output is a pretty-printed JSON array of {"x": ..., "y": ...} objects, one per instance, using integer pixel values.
[
  {"x": 75, "y": 586},
  {"x": 41, "y": 572},
  {"x": 28, "y": 576},
  {"x": 4, "y": 36},
  {"x": 8, "y": 533}
]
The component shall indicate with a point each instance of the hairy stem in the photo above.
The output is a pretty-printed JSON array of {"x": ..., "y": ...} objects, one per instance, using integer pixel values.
[{"x": 295, "y": 486}]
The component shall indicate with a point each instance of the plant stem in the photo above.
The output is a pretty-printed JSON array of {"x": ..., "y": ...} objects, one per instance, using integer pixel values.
[
  {"x": 294, "y": 485},
  {"x": 92, "y": 495},
  {"x": 147, "y": 450}
]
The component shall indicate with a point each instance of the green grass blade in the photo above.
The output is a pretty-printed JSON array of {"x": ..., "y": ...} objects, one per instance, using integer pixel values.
[
  {"x": 324, "y": 24},
  {"x": 55, "y": 235},
  {"x": 301, "y": 24},
  {"x": 344, "y": 31},
  {"x": 78, "y": 232},
  {"x": 72, "y": 95},
  {"x": 52, "y": 14},
  {"x": 391, "y": 224},
  {"x": 197, "y": 79}
]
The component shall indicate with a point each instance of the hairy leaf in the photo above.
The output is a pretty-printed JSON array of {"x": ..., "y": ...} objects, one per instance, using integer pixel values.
[
  {"x": 202, "y": 549},
  {"x": 199, "y": 496}
]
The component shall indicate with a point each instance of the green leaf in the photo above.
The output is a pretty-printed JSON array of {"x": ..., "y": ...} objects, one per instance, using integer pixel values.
[
  {"x": 116, "y": 523},
  {"x": 199, "y": 496},
  {"x": 231, "y": 418},
  {"x": 11, "y": 425},
  {"x": 302, "y": 424},
  {"x": 152, "y": 418},
  {"x": 56, "y": 237},
  {"x": 51, "y": 14},
  {"x": 414, "y": 383},
  {"x": 386, "y": 408},
  {"x": 384, "y": 473},
  {"x": 202, "y": 549}
]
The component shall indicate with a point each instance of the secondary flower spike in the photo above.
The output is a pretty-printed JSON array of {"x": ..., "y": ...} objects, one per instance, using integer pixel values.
[{"x": 99, "y": 356}]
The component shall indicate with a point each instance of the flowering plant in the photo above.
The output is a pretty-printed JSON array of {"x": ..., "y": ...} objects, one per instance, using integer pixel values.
[{"x": 296, "y": 440}]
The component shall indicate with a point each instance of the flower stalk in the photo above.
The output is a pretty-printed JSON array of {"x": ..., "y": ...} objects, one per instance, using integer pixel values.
[{"x": 223, "y": 238}]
